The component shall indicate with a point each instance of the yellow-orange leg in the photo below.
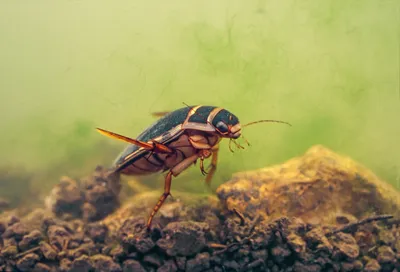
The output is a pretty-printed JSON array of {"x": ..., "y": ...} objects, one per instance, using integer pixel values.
[
  {"x": 213, "y": 165},
  {"x": 202, "y": 167},
  {"x": 167, "y": 189},
  {"x": 167, "y": 186},
  {"x": 204, "y": 154}
]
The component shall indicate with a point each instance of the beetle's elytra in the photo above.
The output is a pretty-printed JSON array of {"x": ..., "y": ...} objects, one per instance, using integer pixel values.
[{"x": 175, "y": 142}]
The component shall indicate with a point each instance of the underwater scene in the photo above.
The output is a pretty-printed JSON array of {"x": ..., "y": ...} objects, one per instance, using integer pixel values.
[{"x": 200, "y": 135}]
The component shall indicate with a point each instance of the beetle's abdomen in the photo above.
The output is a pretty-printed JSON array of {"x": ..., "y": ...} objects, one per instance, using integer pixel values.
[
  {"x": 150, "y": 163},
  {"x": 183, "y": 150},
  {"x": 145, "y": 165}
]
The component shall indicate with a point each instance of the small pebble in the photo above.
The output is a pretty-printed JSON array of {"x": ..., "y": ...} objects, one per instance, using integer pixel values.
[
  {"x": 133, "y": 266},
  {"x": 199, "y": 263}
]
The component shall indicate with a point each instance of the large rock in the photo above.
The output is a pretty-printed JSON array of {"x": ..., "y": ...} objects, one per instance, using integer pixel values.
[
  {"x": 319, "y": 187},
  {"x": 182, "y": 206}
]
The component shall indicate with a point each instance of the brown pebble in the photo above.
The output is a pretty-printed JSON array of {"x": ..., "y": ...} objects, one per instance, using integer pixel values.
[
  {"x": 117, "y": 253},
  {"x": 351, "y": 251},
  {"x": 300, "y": 267},
  {"x": 58, "y": 236},
  {"x": 280, "y": 253},
  {"x": 81, "y": 264},
  {"x": 346, "y": 238},
  {"x": 358, "y": 265},
  {"x": 260, "y": 254},
  {"x": 10, "y": 248},
  {"x": 255, "y": 264},
  {"x": 231, "y": 265},
  {"x": 372, "y": 266},
  {"x": 199, "y": 263},
  {"x": 41, "y": 267},
  {"x": 397, "y": 245},
  {"x": 31, "y": 240},
  {"x": 133, "y": 234},
  {"x": 27, "y": 262},
  {"x": 153, "y": 260},
  {"x": 104, "y": 263},
  {"x": 133, "y": 255},
  {"x": 296, "y": 243},
  {"x": 133, "y": 266},
  {"x": 47, "y": 222},
  {"x": 65, "y": 265},
  {"x": 16, "y": 231},
  {"x": 168, "y": 266},
  {"x": 298, "y": 225},
  {"x": 183, "y": 238},
  {"x": 346, "y": 267},
  {"x": 385, "y": 255},
  {"x": 9, "y": 251},
  {"x": 48, "y": 251},
  {"x": 97, "y": 232},
  {"x": 316, "y": 238},
  {"x": 386, "y": 237},
  {"x": 181, "y": 262}
]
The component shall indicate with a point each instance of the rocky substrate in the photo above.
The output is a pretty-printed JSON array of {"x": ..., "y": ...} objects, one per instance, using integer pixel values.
[
  {"x": 241, "y": 229},
  {"x": 239, "y": 244}
]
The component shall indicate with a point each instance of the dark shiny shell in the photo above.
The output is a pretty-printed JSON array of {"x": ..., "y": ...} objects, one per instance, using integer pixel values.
[{"x": 165, "y": 131}]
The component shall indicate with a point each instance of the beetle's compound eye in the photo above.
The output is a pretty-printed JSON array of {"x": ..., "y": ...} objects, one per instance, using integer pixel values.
[{"x": 222, "y": 127}]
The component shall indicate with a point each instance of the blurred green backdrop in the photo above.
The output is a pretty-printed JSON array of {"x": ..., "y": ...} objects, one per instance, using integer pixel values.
[{"x": 331, "y": 68}]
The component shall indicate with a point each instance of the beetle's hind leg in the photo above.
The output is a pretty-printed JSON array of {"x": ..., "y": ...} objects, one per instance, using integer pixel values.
[
  {"x": 154, "y": 146},
  {"x": 167, "y": 189},
  {"x": 167, "y": 186}
]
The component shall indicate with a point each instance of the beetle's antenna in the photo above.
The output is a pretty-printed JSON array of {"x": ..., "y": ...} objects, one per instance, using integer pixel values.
[
  {"x": 264, "y": 121},
  {"x": 186, "y": 104}
]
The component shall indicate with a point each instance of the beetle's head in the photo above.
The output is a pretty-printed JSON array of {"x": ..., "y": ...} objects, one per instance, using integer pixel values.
[{"x": 227, "y": 125}]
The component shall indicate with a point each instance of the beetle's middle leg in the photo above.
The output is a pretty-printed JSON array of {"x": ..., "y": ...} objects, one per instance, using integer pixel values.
[
  {"x": 179, "y": 168},
  {"x": 213, "y": 165}
]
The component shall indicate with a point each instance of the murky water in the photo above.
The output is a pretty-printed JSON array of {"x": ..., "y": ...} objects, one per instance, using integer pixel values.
[{"x": 329, "y": 68}]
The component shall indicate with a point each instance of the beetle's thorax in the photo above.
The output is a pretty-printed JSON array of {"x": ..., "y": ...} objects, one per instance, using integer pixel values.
[{"x": 214, "y": 120}]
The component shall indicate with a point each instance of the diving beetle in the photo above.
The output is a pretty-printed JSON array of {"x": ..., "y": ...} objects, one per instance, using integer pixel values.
[{"x": 175, "y": 142}]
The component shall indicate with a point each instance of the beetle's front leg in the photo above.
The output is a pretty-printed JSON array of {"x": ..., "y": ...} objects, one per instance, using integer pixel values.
[
  {"x": 203, "y": 154},
  {"x": 179, "y": 168}
]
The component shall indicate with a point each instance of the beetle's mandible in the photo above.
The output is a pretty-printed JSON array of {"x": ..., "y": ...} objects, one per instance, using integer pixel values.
[{"x": 175, "y": 142}]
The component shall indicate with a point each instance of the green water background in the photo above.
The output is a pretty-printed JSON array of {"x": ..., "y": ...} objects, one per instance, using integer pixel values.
[{"x": 331, "y": 68}]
